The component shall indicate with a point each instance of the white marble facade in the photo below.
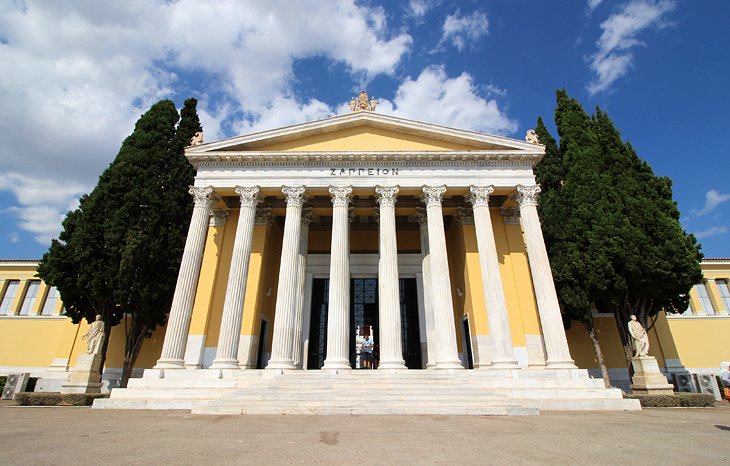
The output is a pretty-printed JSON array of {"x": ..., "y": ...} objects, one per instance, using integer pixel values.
[{"x": 494, "y": 165}]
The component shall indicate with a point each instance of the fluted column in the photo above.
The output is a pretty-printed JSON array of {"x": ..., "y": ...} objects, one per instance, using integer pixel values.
[
  {"x": 391, "y": 344},
  {"x": 178, "y": 323},
  {"x": 556, "y": 343},
  {"x": 503, "y": 355},
  {"x": 286, "y": 297},
  {"x": 226, "y": 356},
  {"x": 443, "y": 305},
  {"x": 338, "y": 316},
  {"x": 431, "y": 341},
  {"x": 301, "y": 271}
]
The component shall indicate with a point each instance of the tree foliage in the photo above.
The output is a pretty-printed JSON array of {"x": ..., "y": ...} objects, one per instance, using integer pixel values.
[
  {"x": 119, "y": 252},
  {"x": 610, "y": 224}
]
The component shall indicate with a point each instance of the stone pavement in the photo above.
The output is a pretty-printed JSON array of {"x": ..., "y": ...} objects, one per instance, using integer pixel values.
[{"x": 85, "y": 436}]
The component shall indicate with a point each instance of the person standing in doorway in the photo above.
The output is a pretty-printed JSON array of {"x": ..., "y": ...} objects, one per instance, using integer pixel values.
[{"x": 367, "y": 351}]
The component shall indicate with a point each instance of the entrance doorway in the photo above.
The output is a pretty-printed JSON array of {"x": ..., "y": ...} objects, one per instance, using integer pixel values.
[{"x": 364, "y": 321}]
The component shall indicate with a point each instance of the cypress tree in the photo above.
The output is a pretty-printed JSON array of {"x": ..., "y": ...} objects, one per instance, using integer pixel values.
[
  {"x": 119, "y": 252},
  {"x": 610, "y": 225}
]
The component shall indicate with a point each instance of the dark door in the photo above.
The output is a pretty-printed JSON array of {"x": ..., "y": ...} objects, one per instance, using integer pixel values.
[
  {"x": 410, "y": 332},
  {"x": 317, "y": 350}
]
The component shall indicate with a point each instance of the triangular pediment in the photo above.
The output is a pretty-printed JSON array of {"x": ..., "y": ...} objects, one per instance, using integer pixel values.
[{"x": 364, "y": 131}]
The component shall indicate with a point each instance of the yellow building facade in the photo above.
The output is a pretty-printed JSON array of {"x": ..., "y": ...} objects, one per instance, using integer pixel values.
[{"x": 309, "y": 240}]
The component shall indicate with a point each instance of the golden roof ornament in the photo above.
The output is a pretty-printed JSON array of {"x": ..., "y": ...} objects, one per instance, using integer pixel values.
[{"x": 361, "y": 103}]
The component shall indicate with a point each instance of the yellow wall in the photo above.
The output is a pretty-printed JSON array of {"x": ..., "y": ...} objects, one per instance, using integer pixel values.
[
  {"x": 34, "y": 341},
  {"x": 702, "y": 342}
]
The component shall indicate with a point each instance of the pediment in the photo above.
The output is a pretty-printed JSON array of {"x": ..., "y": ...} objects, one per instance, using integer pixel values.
[{"x": 364, "y": 132}]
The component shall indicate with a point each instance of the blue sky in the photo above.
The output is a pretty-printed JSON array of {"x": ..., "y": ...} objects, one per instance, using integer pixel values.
[{"x": 77, "y": 74}]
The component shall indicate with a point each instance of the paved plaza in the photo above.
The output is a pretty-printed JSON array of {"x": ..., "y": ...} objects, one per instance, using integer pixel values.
[{"x": 84, "y": 436}]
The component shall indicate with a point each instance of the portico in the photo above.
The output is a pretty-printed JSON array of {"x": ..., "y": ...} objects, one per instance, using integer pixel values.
[{"x": 383, "y": 202}]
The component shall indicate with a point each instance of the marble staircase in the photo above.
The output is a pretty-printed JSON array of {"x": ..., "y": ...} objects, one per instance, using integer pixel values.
[{"x": 480, "y": 392}]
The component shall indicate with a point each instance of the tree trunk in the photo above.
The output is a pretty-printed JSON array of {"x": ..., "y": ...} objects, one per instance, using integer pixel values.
[
  {"x": 599, "y": 354},
  {"x": 135, "y": 333}
]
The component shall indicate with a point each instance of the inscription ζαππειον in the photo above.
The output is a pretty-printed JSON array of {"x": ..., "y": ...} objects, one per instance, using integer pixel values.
[{"x": 364, "y": 171}]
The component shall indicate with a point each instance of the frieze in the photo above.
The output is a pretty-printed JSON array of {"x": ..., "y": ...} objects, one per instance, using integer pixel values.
[{"x": 369, "y": 171}]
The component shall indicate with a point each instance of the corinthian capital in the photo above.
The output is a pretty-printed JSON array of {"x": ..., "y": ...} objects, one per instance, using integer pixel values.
[
  {"x": 340, "y": 195},
  {"x": 527, "y": 195},
  {"x": 294, "y": 195},
  {"x": 386, "y": 195},
  {"x": 432, "y": 195},
  {"x": 202, "y": 196},
  {"x": 249, "y": 195},
  {"x": 479, "y": 195}
]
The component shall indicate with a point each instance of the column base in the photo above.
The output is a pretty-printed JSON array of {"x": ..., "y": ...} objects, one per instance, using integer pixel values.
[
  {"x": 448, "y": 365},
  {"x": 509, "y": 364},
  {"x": 225, "y": 364},
  {"x": 341, "y": 364},
  {"x": 392, "y": 365},
  {"x": 170, "y": 364},
  {"x": 280, "y": 365},
  {"x": 569, "y": 364}
]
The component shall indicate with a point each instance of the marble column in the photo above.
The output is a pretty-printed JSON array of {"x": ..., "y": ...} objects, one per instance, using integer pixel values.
[
  {"x": 178, "y": 323},
  {"x": 503, "y": 355},
  {"x": 431, "y": 342},
  {"x": 391, "y": 344},
  {"x": 443, "y": 305},
  {"x": 226, "y": 356},
  {"x": 556, "y": 343},
  {"x": 301, "y": 271},
  {"x": 282, "y": 346},
  {"x": 338, "y": 316}
]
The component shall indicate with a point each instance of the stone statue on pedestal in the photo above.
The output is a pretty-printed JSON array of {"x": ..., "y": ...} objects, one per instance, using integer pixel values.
[
  {"x": 95, "y": 336},
  {"x": 641, "y": 339}
]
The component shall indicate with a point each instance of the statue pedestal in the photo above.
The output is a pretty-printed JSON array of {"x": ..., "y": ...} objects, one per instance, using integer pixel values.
[
  {"x": 648, "y": 379},
  {"x": 85, "y": 377}
]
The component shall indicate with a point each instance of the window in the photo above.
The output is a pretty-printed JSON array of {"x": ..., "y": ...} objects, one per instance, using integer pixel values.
[
  {"x": 29, "y": 298},
  {"x": 9, "y": 296},
  {"x": 705, "y": 303},
  {"x": 722, "y": 285},
  {"x": 51, "y": 301}
]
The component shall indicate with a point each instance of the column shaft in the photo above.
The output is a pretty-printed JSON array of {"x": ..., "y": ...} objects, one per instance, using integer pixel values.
[
  {"x": 556, "y": 343},
  {"x": 178, "y": 323},
  {"x": 503, "y": 355},
  {"x": 338, "y": 316},
  {"x": 226, "y": 356},
  {"x": 301, "y": 288},
  {"x": 391, "y": 344},
  {"x": 443, "y": 305},
  {"x": 282, "y": 346},
  {"x": 431, "y": 341}
]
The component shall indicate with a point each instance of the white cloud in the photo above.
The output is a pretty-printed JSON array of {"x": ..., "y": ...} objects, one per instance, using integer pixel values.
[
  {"x": 42, "y": 203},
  {"x": 464, "y": 30},
  {"x": 13, "y": 237},
  {"x": 419, "y": 8},
  {"x": 713, "y": 199},
  {"x": 712, "y": 231},
  {"x": 456, "y": 102},
  {"x": 593, "y": 4},
  {"x": 76, "y": 75},
  {"x": 614, "y": 57}
]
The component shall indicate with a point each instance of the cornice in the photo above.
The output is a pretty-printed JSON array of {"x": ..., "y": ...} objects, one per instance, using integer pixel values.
[{"x": 264, "y": 158}]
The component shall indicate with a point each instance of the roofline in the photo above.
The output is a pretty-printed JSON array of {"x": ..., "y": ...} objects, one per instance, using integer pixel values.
[
  {"x": 352, "y": 118},
  {"x": 19, "y": 262}
]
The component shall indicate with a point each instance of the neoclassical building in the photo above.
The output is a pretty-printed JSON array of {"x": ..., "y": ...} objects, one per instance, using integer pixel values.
[
  {"x": 365, "y": 224},
  {"x": 307, "y": 240}
]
